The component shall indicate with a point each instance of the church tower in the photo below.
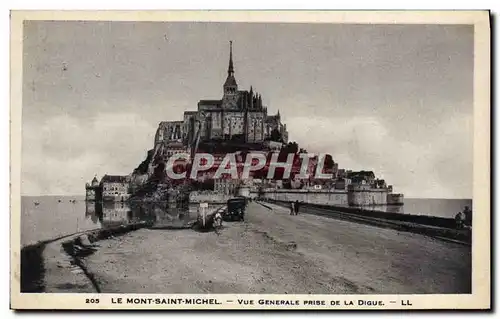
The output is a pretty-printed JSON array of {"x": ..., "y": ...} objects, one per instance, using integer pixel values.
[{"x": 230, "y": 97}]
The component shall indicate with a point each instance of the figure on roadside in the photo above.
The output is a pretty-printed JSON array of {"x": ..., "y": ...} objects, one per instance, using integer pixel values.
[
  {"x": 296, "y": 206},
  {"x": 459, "y": 220},
  {"x": 241, "y": 214},
  {"x": 292, "y": 208},
  {"x": 467, "y": 216},
  {"x": 217, "y": 222}
]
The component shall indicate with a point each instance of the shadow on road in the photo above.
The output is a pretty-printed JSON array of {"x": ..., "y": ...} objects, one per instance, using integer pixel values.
[
  {"x": 262, "y": 204},
  {"x": 32, "y": 269}
]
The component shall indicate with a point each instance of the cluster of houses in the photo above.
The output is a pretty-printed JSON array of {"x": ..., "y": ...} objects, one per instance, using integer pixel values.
[
  {"x": 339, "y": 182},
  {"x": 113, "y": 188},
  {"x": 116, "y": 188}
]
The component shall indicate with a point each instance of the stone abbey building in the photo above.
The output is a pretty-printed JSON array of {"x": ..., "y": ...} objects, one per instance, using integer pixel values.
[{"x": 239, "y": 116}]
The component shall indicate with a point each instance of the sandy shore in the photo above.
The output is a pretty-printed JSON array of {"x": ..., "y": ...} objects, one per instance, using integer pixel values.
[{"x": 273, "y": 252}]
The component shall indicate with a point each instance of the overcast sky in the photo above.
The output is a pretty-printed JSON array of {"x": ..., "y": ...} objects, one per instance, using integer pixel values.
[{"x": 395, "y": 99}]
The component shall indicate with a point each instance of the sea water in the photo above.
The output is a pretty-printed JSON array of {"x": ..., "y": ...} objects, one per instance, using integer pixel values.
[{"x": 49, "y": 217}]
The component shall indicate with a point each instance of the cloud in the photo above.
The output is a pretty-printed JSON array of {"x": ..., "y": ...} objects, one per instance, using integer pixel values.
[
  {"x": 64, "y": 152},
  {"x": 396, "y": 99},
  {"x": 439, "y": 166}
]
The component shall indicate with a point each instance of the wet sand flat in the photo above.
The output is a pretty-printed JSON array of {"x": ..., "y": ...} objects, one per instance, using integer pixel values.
[{"x": 273, "y": 252}]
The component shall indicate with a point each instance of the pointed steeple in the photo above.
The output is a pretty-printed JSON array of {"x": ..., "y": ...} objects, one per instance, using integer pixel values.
[
  {"x": 230, "y": 86},
  {"x": 230, "y": 69},
  {"x": 279, "y": 113}
]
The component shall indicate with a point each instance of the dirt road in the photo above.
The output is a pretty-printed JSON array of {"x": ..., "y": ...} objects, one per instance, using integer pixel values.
[{"x": 273, "y": 252}]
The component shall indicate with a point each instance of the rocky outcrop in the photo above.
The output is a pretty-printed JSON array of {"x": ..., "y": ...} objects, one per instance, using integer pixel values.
[
  {"x": 147, "y": 181},
  {"x": 143, "y": 167}
]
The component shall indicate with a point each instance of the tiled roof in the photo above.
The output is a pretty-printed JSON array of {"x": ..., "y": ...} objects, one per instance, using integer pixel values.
[
  {"x": 210, "y": 102},
  {"x": 114, "y": 179}
]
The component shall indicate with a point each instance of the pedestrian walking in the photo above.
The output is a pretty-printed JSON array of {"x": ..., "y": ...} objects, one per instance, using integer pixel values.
[
  {"x": 292, "y": 208},
  {"x": 296, "y": 206}
]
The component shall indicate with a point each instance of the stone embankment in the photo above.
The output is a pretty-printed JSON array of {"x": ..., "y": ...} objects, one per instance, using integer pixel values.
[{"x": 55, "y": 266}]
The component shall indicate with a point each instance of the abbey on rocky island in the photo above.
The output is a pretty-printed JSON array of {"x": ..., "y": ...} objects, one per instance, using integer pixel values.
[
  {"x": 239, "y": 116},
  {"x": 238, "y": 123}
]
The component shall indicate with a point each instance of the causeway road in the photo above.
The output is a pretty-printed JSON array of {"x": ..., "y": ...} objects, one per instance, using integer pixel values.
[{"x": 274, "y": 252}]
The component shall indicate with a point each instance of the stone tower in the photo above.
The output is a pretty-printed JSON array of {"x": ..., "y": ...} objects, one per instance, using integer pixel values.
[{"x": 230, "y": 98}]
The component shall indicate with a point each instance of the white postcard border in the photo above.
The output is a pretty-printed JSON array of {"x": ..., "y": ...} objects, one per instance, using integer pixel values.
[{"x": 481, "y": 272}]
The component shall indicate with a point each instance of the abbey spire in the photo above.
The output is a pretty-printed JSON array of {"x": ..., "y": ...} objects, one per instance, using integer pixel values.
[
  {"x": 230, "y": 69},
  {"x": 230, "y": 86}
]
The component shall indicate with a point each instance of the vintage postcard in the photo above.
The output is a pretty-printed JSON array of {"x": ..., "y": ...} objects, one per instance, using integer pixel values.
[{"x": 250, "y": 160}]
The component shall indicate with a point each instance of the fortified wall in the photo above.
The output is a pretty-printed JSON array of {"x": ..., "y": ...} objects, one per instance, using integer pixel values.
[
  {"x": 395, "y": 199},
  {"x": 365, "y": 195},
  {"x": 208, "y": 197},
  {"x": 323, "y": 197},
  {"x": 356, "y": 195}
]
